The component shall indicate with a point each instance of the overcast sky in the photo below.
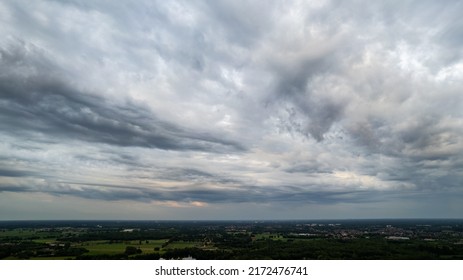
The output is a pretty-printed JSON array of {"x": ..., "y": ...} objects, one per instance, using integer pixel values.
[{"x": 231, "y": 109}]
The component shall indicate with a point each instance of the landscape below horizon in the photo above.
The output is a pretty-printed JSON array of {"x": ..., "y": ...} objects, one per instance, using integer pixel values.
[
  {"x": 230, "y": 110},
  {"x": 396, "y": 239}
]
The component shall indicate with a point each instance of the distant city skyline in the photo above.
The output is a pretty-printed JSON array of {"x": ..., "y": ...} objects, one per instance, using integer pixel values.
[{"x": 231, "y": 110}]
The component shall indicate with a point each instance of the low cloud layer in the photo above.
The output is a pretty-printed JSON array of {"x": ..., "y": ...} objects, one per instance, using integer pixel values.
[{"x": 233, "y": 105}]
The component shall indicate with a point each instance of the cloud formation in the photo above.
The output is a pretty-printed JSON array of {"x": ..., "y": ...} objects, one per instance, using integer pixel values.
[{"x": 234, "y": 103}]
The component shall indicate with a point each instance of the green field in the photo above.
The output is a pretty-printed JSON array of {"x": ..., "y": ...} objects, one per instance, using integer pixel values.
[
  {"x": 183, "y": 245},
  {"x": 104, "y": 247}
]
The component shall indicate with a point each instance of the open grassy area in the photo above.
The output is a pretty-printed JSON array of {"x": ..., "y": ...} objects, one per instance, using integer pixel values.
[
  {"x": 183, "y": 245},
  {"x": 103, "y": 247},
  {"x": 148, "y": 248}
]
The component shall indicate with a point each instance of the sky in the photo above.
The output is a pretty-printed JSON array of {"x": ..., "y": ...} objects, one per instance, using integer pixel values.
[{"x": 233, "y": 109}]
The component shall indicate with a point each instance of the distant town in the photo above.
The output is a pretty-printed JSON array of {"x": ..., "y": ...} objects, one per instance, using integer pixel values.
[{"x": 333, "y": 239}]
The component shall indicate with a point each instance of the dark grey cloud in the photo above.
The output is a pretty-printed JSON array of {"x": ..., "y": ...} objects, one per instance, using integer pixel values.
[
  {"x": 243, "y": 194},
  {"x": 41, "y": 102},
  {"x": 318, "y": 113},
  {"x": 13, "y": 189},
  {"x": 308, "y": 169},
  {"x": 15, "y": 173}
]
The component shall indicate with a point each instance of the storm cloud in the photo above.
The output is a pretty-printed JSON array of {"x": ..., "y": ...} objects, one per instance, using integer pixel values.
[{"x": 232, "y": 105}]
